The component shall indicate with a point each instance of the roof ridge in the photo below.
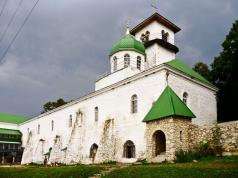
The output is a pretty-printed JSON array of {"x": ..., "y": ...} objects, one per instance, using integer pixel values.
[{"x": 171, "y": 99}]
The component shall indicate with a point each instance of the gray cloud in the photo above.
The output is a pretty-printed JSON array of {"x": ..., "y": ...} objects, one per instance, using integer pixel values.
[{"x": 65, "y": 44}]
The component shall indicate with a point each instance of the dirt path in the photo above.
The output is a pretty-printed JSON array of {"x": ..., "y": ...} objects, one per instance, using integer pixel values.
[{"x": 109, "y": 170}]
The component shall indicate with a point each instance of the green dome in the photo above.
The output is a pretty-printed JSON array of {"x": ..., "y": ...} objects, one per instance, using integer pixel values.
[{"x": 129, "y": 43}]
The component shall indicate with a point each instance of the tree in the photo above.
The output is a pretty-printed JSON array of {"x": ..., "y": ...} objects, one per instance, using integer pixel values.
[
  {"x": 53, "y": 104},
  {"x": 224, "y": 74},
  {"x": 203, "y": 70}
]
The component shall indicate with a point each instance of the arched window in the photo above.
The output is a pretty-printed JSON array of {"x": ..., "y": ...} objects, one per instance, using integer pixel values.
[
  {"x": 147, "y": 35},
  {"x": 165, "y": 35},
  {"x": 96, "y": 113},
  {"x": 38, "y": 129},
  {"x": 52, "y": 125},
  {"x": 114, "y": 63},
  {"x": 129, "y": 149},
  {"x": 126, "y": 60},
  {"x": 93, "y": 151},
  {"x": 134, "y": 104},
  {"x": 70, "y": 120},
  {"x": 142, "y": 37},
  {"x": 138, "y": 62},
  {"x": 185, "y": 97}
]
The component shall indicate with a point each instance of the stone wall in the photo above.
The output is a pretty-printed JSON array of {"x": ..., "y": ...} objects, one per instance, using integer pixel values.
[
  {"x": 182, "y": 134},
  {"x": 176, "y": 135},
  {"x": 228, "y": 138}
]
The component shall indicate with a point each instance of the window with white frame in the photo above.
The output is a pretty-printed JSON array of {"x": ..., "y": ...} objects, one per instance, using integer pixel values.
[
  {"x": 126, "y": 60},
  {"x": 134, "y": 104}
]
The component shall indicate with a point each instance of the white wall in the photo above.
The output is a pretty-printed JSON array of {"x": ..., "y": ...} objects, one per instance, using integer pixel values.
[
  {"x": 115, "y": 104},
  {"x": 116, "y": 77},
  {"x": 201, "y": 100},
  {"x": 156, "y": 54},
  {"x": 112, "y": 104},
  {"x": 155, "y": 32}
]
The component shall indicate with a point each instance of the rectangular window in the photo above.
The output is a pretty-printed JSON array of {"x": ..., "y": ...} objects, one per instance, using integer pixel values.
[
  {"x": 138, "y": 64},
  {"x": 70, "y": 121},
  {"x": 52, "y": 125},
  {"x": 96, "y": 113},
  {"x": 38, "y": 129}
]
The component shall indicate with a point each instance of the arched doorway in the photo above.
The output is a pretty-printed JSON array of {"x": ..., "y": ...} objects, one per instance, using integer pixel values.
[
  {"x": 93, "y": 151},
  {"x": 159, "y": 143},
  {"x": 129, "y": 149}
]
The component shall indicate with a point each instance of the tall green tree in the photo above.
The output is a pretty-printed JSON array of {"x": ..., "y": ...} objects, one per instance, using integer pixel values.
[
  {"x": 203, "y": 70},
  {"x": 53, "y": 104},
  {"x": 224, "y": 74}
]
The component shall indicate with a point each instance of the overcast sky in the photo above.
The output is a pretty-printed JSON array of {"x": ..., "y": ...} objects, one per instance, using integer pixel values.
[{"x": 65, "y": 44}]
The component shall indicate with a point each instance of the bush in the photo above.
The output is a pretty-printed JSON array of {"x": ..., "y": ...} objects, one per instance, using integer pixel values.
[
  {"x": 110, "y": 162},
  {"x": 184, "y": 156},
  {"x": 142, "y": 161},
  {"x": 201, "y": 150}
]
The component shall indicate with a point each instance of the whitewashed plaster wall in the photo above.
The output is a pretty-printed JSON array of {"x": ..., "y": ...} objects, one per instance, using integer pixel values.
[
  {"x": 116, "y": 77},
  {"x": 112, "y": 104},
  {"x": 115, "y": 104},
  {"x": 155, "y": 32},
  {"x": 156, "y": 55},
  {"x": 201, "y": 99}
]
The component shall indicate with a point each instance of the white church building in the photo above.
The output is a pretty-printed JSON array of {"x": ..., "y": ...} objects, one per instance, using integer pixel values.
[{"x": 143, "y": 109}]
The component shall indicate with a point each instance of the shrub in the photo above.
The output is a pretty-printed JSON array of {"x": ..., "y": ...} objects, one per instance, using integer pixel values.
[
  {"x": 142, "y": 161},
  {"x": 110, "y": 162},
  {"x": 201, "y": 150},
  {"x": 184, "y": 156}
]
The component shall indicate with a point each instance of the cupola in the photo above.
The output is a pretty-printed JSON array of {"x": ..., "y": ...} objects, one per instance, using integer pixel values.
[{"x": 128, "y": 43}]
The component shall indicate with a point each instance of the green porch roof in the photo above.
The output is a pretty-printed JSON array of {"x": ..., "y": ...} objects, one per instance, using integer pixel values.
[
  {"x": 14, "y": 119},
  {"x": 179, "y": 65},
  {"x": 168, "y": 104},
  {"x": 9, "y": 131}
]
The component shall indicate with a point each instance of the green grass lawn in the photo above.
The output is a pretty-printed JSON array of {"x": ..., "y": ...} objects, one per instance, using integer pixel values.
[
  {"x": 226, "y": 167},
  {"x": 79, "y": 171}
]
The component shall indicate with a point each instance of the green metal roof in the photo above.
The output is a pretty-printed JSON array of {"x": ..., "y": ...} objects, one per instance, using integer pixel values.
[
  {"x": 128, "y": 43},
  {"x": 16, "y": 138},
  {"x": 9, "y": 131},
  {"x": 179, "y": 65},
  {"x": 14, "y": 119},
  {"x": 168, "y": 104}
]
